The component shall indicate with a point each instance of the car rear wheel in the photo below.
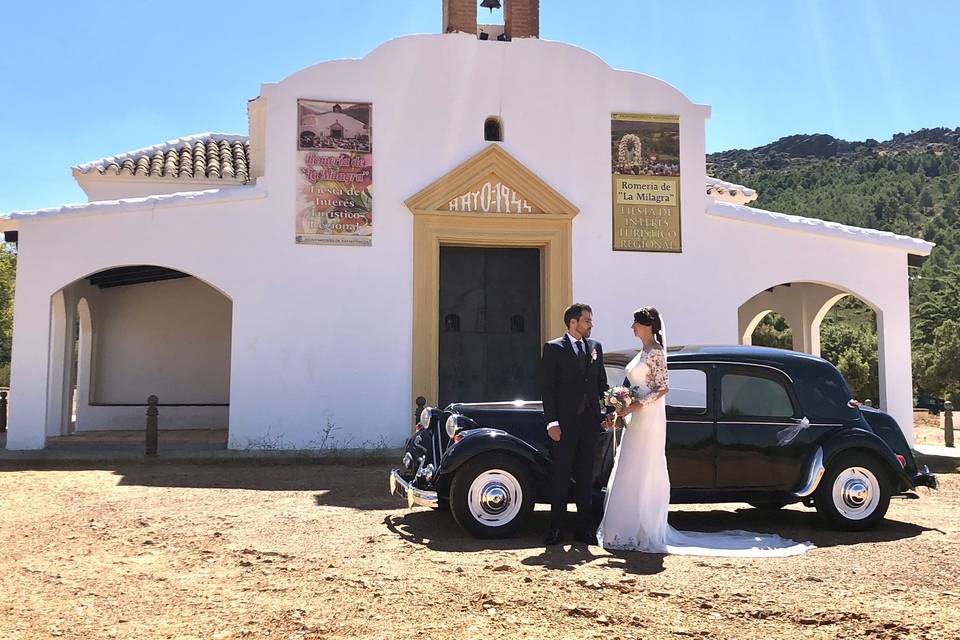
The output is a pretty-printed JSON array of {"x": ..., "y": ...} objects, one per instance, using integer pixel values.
[
  {"x": 854, "y": 493},
  {"x": 491, "y": 496}
]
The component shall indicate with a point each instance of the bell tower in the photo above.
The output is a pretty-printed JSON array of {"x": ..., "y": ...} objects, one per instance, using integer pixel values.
[
  {"x": 521, "y": 18},
  {"x": 460, "y": 16}
]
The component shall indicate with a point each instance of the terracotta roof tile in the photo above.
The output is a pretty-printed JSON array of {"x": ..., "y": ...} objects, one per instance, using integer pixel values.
[
  {"x": 724, "y": 191},
  {"x": 211, "y": 156}
]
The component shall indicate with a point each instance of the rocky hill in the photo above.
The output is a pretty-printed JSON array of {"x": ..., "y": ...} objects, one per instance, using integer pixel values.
[{"x": 810, "y": 148}]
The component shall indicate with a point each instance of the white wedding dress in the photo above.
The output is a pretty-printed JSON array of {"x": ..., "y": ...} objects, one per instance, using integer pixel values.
[{"x": 638, "y": 493}]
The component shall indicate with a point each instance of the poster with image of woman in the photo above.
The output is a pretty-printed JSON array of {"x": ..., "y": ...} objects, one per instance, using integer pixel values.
[{"x": 645, "y": 164}]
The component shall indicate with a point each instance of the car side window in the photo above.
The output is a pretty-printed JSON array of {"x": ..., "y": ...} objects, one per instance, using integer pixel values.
[
  {"x": 688, "y": 392},
  {"x": 753, "y": 396}
]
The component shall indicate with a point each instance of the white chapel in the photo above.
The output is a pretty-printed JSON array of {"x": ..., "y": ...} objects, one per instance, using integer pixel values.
[{"x": 411, "y": 223}]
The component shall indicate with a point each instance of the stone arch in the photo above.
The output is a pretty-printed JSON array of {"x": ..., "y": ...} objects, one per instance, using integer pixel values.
[
  {"x": 804, "y": 304},
  {"x": 205, "y": 278},
  {"x": 747, "y": 329},
  {"x": 197, "y": 330},
  {"x": 817, "y": 300},
  {"x": 750, "y": 336}
]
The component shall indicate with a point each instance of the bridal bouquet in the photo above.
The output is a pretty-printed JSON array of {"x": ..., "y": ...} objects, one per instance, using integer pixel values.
[{"x": 619, "y": 398}]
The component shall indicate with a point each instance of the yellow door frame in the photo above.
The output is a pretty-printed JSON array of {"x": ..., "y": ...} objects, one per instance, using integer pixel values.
[{"x": 546, "y": 223}]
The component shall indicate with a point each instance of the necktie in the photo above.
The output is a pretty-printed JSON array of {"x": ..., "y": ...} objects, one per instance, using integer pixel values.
[{"x": 581, "y": 354}]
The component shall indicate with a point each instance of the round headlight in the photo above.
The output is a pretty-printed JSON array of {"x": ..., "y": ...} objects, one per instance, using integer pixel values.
[
  {"x": 451, "y": 425},
  {"x": 424, "y": 420}
]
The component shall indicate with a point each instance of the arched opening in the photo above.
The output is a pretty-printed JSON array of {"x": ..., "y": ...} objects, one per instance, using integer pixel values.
[
  {"x": 772, "y": 330},
  {"x": 848, "y": 339},
  {"x": 124, "y": 333},
  {"x": 823, "y": 320},
  {"x": 493, "y": 129},
  {"x": 491, "y": 20}
]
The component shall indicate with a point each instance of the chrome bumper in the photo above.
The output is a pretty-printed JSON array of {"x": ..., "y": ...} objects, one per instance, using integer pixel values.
[
  {"x": 814, "y": 473},
  {"x": 399, "y": 486},
  {"x": 926, "y": 479}
]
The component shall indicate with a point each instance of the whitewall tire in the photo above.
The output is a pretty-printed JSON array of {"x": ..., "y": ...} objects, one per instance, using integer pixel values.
[
  {"x": 854, "y": 493},
  {"x": 491, "y": 496}
]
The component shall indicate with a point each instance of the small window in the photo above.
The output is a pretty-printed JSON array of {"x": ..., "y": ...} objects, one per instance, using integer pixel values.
[
  {"x": 753, "y": 396},
  {"x": 452, "y": 322},
  {"x": 517, "y": 324},
  {"x": 493, "y": 129},
  {"x": 688, "y": 391}
]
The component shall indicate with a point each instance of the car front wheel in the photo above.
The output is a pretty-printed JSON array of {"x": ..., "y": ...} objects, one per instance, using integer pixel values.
[
  {"x": 854, "y": 493},
  {"x": 491, "y": 496}
]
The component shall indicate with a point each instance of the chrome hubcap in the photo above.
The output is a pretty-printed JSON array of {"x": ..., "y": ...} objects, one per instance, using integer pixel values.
[
  {"x": 856, "y": 493},
  {"x": 495, "y": 497}
]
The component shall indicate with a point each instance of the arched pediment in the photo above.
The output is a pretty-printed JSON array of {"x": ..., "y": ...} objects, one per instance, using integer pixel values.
[{"x": 491, "y": 183}]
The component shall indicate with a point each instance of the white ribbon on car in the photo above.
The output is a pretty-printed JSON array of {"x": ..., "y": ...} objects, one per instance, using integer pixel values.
[{"x": 788, "y": 435}]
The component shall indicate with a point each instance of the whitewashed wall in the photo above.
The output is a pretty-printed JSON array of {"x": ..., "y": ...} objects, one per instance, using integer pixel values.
[
  {"x": 169, "y": 338},
  {"x": 761, "y": 257},
  {"x": 321, "y": 335}
]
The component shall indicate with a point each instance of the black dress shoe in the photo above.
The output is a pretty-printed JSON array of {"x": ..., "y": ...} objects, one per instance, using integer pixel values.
[
  {"x": 554, "y": 536},
  {"x": 584, "y": 535}
]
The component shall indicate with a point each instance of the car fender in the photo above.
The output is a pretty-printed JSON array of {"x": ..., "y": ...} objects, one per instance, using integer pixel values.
[
  {"x": 863, "y": 440},
  {"x": 484, "y": 440}
]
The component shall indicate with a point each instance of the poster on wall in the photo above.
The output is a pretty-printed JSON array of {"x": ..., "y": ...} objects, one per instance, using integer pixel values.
[
  {"x": 645, "y": 152},
  {"x": 334, "y": 173}
]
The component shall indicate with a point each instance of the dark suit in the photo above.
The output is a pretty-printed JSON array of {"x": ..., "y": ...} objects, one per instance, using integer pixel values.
[{"x": 571, "y": 389}]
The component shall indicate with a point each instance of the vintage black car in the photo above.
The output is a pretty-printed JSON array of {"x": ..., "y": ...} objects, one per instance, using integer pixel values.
[{"x": 489, "y": 463}]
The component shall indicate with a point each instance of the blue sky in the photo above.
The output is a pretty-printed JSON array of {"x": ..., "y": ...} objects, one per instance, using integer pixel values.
[{"x": 83, "y": 80}]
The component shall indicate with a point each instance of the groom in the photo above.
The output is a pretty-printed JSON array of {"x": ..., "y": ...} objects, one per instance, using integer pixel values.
[{"x": 572, "y": 382}]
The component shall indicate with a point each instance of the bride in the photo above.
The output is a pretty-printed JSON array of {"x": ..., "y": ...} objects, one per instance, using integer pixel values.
[{"x": 638, "y": 492}]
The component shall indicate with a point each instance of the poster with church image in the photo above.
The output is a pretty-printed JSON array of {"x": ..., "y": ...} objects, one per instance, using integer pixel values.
[
  {"x": 334, "y": 173},
  {"x": 645, "y": 161}
]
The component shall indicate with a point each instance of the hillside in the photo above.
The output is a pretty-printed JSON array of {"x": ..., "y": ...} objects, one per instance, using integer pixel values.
[{"x": 909, "y": 184}]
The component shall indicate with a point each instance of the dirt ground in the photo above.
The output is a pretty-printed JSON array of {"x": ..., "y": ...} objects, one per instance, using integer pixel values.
[
  {"x": 321, "y": 551},
  {"x": 928, "y": 428}
]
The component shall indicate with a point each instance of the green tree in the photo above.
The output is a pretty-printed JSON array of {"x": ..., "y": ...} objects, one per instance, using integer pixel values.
[
  {"x": 937, "y": 365},
  {"x": 857, "y": 373},
  {"x": 847, "y": 343},
  {"x": 773, "y": 331},
  {"x": 8, "y": 273}
]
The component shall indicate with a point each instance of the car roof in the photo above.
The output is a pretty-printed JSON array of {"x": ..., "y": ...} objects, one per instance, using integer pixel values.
[
  {"x": 783, "y": 358},
  {"x": 822, "y": 391}
]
